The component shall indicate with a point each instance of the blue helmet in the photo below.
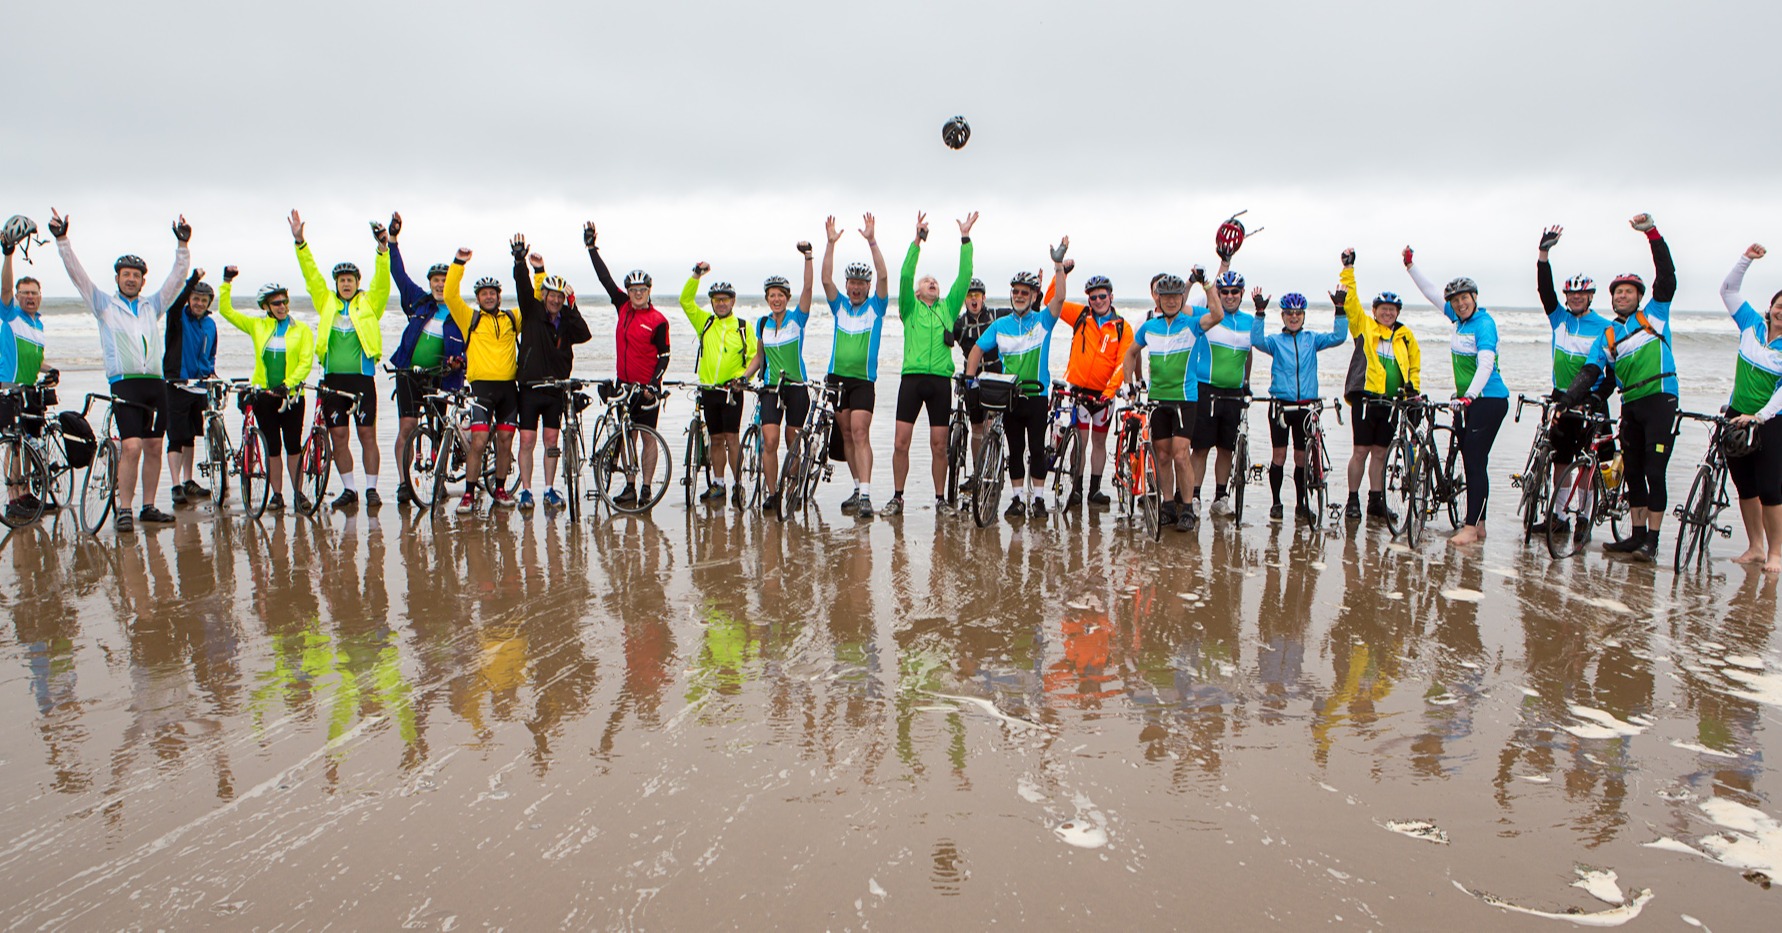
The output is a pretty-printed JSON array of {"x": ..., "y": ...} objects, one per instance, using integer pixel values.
[
  {"x": 1293, "y": 301},
  {"x": 1389, "y": 298},
  {"x": 1229, "y": 280},
  {"x": 1099, "y": 281}
]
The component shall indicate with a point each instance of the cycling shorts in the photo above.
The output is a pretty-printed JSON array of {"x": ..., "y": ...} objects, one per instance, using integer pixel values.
[{"x": 494, "y": 403}]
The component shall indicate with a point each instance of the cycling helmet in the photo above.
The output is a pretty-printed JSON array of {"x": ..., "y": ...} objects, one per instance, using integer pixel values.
[
  {"x": 1029, "y": 279},
  {"x": 721, "y": 288},
  {"x": 1098, "y": 281},
  {"x": 637, "y": 277},
  {"x": 270, "y": 289},
  {"x": 556, "y": 283},
  {"x": 1389, "y": 298},
  {"x": 859, "y": 270},
  {"x": 1629, "y": 278},
  {"x": 439, "y": 268},
  {"x": 488, "y": 281},
  {"x": 18, "y": 228},
  {"x": 346, "y": 268},
  {"x": 129, "y": 261},
  {"x": 1171, "y": 285},
  {"x": 203, "y": 288},
  {"x": 1738, "y": 440},
  {"x": 1580, "y": 283},
  {"x": 1293, "y": 301},
  {"x": 1229, "y": 280},
  {"x": 977, "y": 285},
  {"x": 1460, "y": 286},
  {"x": 777, "y": 281}
]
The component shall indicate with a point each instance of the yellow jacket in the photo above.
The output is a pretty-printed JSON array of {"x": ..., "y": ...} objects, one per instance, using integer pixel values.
[
  {"x": 1366, "y": 372},
  {"x": 492, "y": 346},
  {"x": 300, "y": 341},
  {"x": 366, "y": 309},
  {"x": 725, "y": 346}
]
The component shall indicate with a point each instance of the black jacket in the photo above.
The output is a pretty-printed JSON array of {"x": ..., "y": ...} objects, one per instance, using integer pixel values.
[{"x": 547, "y": 351}]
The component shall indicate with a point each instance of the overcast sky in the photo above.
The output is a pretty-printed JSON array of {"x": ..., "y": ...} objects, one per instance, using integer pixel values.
[{"x": 726, "y": 131}]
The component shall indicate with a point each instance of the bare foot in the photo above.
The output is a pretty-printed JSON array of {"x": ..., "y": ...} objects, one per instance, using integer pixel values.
[
  {"x": 1471, "y": 534},
  {"x": 1751, "y": 556},
  {"x": 1773, "y": 565}
]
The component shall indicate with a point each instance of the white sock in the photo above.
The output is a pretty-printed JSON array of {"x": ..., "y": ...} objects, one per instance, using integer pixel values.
[
  {"x": 347, "y": 480},
  {"x": 856, "y": 487},
  {"x": 371, "y": 482}
]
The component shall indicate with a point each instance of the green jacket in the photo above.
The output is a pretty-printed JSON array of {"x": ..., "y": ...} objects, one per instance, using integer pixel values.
[
  {"x": 367, "y": 308},
  {"x": 926, "y": 326},
  {"x": 725, "y": 345},
  {"x": 300, "y": 341}
]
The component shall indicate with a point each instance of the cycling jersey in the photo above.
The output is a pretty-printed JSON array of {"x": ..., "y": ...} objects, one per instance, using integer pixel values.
[
  {"x": 1097, "y": 345},
  {"x": 1024, "y": 343},
  {"x": 129, "y": 328},
  {"x": 191, "y": 342},
  {"x": 430, "y": 338},
  {"x": 1170, "y": 345},
  {"x": 1222, "y": 360},
  {"x": 1386, "y": 359},
  {"x": 284, "y": 351},
  {"x": 726, "y": 344},
  {"x": 1757, "y": 381},
  {"x": 641, "y": 335},
  {"x": 547, "y": 347},
  {"x": 1473, "y": 338},
  {"x": 354, "y": 341},
  {"x": 1293, "y": 376},
  {"x": 782, "y": 343},
  {"x": 21, "y": 345},
  {"x": 855, "y": 352},
  {"x": 491, "y": 338},
  {"x": 969, "y": 327},
  {"x": 925, "y": 326},
  {"x": 1639, "y": 347},
  {"x": 1573, "y": 334}
]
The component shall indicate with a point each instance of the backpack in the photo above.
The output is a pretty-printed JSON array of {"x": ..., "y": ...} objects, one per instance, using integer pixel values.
[
  {"x": 78, "y": 439},
  {"x": 1645, "y": 325},
  {"x": 477, "y": 318},
  {"x": 742, "y": 335}
]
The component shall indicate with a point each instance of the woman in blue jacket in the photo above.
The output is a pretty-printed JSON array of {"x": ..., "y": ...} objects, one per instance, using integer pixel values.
[{"x": 1293, "y": 380}]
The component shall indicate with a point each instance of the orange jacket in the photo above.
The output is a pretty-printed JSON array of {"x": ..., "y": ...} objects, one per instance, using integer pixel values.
[{"x": 1097, "y": 351}]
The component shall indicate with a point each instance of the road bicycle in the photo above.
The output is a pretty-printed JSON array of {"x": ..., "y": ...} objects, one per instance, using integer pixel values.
[
  {"x": 751, "y": 485},
  {"x": 1317, "y": 465},
  {"x": 569, "y": 438},
  {"x": 316, "y": 461},
  {"x": 451, "y": 464},
  {"x": 998, "y": 393},
  {"x": 807, "y": 459},
  {"x": 1239, "y": 480},
  {"x": 1421, "y": 470},
  {"x": 620, "y": 449},
  {"x": 958, "y": 442},
  {"x": 1586, "y": 493},
  {"x": 34, "y": 456},
  {"x": 99, "y": 484},
  {"x": 1698, "y": 518},
  {"x": 1536, "y": 478},
  {"x": 1063, "y": 453},
  {"x": 420, "y": 450},
  {"x": 1135, "y": 467}
]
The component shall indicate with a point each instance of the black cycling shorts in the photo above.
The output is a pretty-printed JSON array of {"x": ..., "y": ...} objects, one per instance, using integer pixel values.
[
  {"x": 920, "y": 390},
  {"x": 411, "y": 390},
  {"x": 185, "y": 417},
  {"x": 1286, "y": 424},
  {"x": 538, "y": 405},
  {"x": 1372, "y": 420},
  {"x": 494, "y": 403},
  {"x": 334, "y": 408},
  {"x": 791, "y": 404},
  {"x": 1758, "y": 474},
  {"x": 144, "y": 418},
  {"x": 722, "y": 409},
  {"x": 1173, "y": 419},
  {"x": 1571, "y": 432},
  {"x": 279, "y": 429},
  {"x": 645, "y": 412},
  {"x": 856, "y": 394},
  {"x": 1216, "y": 423}
]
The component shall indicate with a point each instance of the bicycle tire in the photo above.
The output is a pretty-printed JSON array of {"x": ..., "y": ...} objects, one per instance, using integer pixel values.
[
  {"x": 1452, "y": 481},
  {"x": 1239, "y": 480},
  {"x": 62, "y": 478},
  {"x": 691, "y": 462},
  {"x": 1418, "y": 498},
  {"x": 317, "y": 458},
  {"x": 569, "y": 462},
  {"x": 99, "y": 487},
  {"x": 1317, "y": 480},
  {"x": 1536, "y": 494},
  {"x": 1572, "y": 504},
  {"x": 631, "y": 457},
  {"x": 816, "y": 452},
  {"x": 449, "y": 454},
  {"x": 1149, "y": 495},
  {"x": 987, "y": 491},
  {"x": 790, "y": 491},
  {"x": 751, "y": 466},
  {"x": 256, "y": 481},
  {"x": 1401, "y": 464},
  {"x": 420, "y": 458},
  {"x": 1125, "y": 452},
  {"x": 18, "y": 455},
  {"x": 1694, "y": 521},
  {"x": 958, "y": 447},
  {"x": 216, "y": 449}
]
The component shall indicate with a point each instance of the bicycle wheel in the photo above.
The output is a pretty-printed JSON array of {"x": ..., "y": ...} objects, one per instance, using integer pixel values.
[
  {"x": 1401, "y": 480},
  {"x": 751, "y": 466},
  {"x": 318, "y": 462},
  {"x": 987, "y": 491},
  {"x": 690, "y": 464},
  {"x": 256, "y": 480},
  {"x": 216, "y": 449},
  {"x": 1149, "y": 494},
  {"x": 629, "y": 456},
  {"x": 420, "y": 455},
  {"x": 1060, "y": 438},
  {"x": 62, "y": 478},
  {"x": 1451, "y": 483},
  {"x": 99, "y": 487},
  {"x": 19, "y": 458},
  {"x": 1535, "y": 495},
  {"x": 958, "y": 449},
  {"x": 1695, "y": 521},
  {"x": 451, "y": 454},
  {"x": 1239, "y": 479},
  {"x": 1572, "y": 508},
  {"x": 569, "y": 461},
  {"x": 791, "y": 488},
  {"x": 1317, "y": 482},
  {"x": 1418, "y": 502},
  {"x": 816, "y": 466}
]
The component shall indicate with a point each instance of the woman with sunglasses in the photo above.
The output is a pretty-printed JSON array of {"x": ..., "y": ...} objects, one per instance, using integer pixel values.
[
  {"x": 284, "y": 353},
  {"x": 1293, "y": 381}
]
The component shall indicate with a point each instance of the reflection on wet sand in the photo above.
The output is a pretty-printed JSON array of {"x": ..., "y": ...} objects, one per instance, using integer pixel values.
[{"x": 688, "y": 720}]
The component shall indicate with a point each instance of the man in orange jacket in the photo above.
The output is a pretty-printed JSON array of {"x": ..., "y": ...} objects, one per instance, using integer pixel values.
[{"x": 1098, "y": 341}]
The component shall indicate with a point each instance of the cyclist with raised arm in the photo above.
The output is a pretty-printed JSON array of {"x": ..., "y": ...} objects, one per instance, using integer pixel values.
[
  {"x": 551, "y": 325},
  {"x": 927, "y": 380},
  {"x": 974, "y": 319},
  {"x": 129, "y": 332},
  {"x": 491, "y": 335},
  {"x": 1387, "y": 364},
  {"x": 1166, "y": 342},
  {"x": 430, "y": 340},
  {"x": 779, "y": 355},
  {"x": 1222, "y": 366},
  {"x": 1479, "y": 391},
  {"x": 189, "y": 352},
  {"x": 1293, "y": 381},
  {"x": 726, "y": 346},
  {"x": 1756, "y": 400},
  {"x": 1099, "y": 339},
  {"x": 642, "y": 347},
  {"x": 351, "y": 344},
  {"x": 854, "y": 358},
  {"x": 1023, "y": 341},
  {"x": 284, "y": 354},
  {"x": 1636, "y": 347},
  {"x": 1575, "y": 327}
]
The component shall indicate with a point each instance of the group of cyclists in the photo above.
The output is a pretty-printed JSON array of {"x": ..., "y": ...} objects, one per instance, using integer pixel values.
[{"x": 1191, "y": 362}]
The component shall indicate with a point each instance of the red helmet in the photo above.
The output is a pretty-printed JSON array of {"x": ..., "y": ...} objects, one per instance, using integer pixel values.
[{"x": 1628, "y": 278}]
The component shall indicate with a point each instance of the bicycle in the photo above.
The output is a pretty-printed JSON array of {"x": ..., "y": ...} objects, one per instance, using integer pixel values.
[
  {"x": 99, "y": 485},
  {"x": 1135, "y": 467},
  {"x": 317, "y": 458},
  {"x": 1697, "y": 517},
  {"x": 1239, "y": 480},
  {"x": 1061, "y": 437},
  {"x": 958, "y": 441},
  {"x": 1417, "y": 471},
  {"x": 22, "y": 458},
  {"x": 997, "y": 394},
  {"x": 807, "y": 460},
  {"x": 420, "y": 451},
  {"x": 569, "y": 438},
  {"x": 699, "y": 443},
  {"x": 752, "y": 451},
  {"x": 1537, "y": 472},
  {"x": 451, "y": 463},
  {"x": 619, "y": 449},
  {"x": 1583, "y": 497},
  {"x": 219, "y": 452},
  {"x": 1317, "y": 465}
]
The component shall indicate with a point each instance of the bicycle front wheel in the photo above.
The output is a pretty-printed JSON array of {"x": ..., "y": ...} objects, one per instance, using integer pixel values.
[
  {"x": 216, "y": 449},
  {"x": 1149, "y": 494},
  {"x": 18, "y": 458},
  {"x": 1571, "y": 508},
  {"x": 99, "y": 487},
  {"x": 791, "y": 488},
  {"x": 1317, "y": 482},
  {"x": 1240, "y": 479},
  {"x": 987, "y": 491},
  {"x": 751, "y": 466},
  {"x": 62, "y": 476},
  {"x": 1695, "y": 521},
  {"x": 958, "y": 449},
  {"x": 570, "y": 462},
  {"x": 451, "y": 454},
  {"x": 256, "y": 480},
  {"x": 1401, "y": 482},
  {"x": 1451, "y": 484},
  {"x": 641, "y": 461},
  {"x": 420, "y": 457},
  {"x": 318, "y": 463},
  {"x": 1535, "y": 497}
]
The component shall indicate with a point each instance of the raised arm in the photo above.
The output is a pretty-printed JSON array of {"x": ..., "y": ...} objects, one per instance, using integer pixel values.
[
  {"x": 868, "y": 229},
  {"x": 1339, "y": 327},
  {"x": 1431, "y": 293},
  {"x": 906, "y": 278},
  {"x": 462, "y": 314},
  {"x": 1215, "y": 307},
  {"x": 804, "y": 296},
  {"x": 1069, "y": 311},
  {"x": 379, "y": 292},
  {"x": 1664, "y": 271},
  {"x": 1544, "y": 270},
  {"x": 95, "y": 299},
  {"x": 833, "y": 233},
  {"x": 1259, "y": 332},
  {"x": 525, "y": 293},
  {"x": 410, "y": 294},
  {"x": 226, "y": 304},
  {"x": 1060, "y": 276},
  {"x": 1732, "y": 289},
  {"x": 6, "y": 279},
  {"x": 590, "y": 239},
  {"x": 962, "y": 281},
  {"x": 696, "y": 315}
]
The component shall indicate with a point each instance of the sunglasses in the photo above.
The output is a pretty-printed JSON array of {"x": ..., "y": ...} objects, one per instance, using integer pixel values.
[
  {"x": 1232, "y": 291},
  {"x": 1099, "y": 296},
  {"x": 1292, "y": 311},
  {"x": 280, "y": 303}
]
